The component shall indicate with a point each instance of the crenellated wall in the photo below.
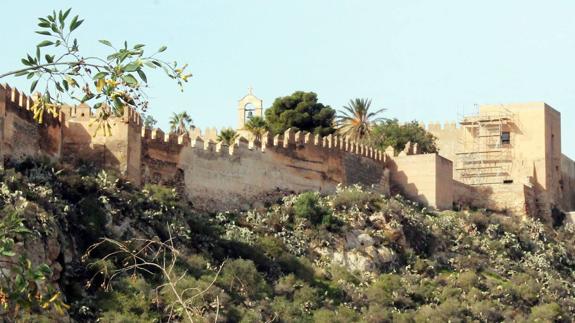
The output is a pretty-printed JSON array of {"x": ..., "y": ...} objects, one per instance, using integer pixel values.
[
  {"x": 161, "y": 156},
  {"x": 20, "y": 135},
  {"x": 448, "y": 138},
  {"x": 85, "y": 139},
  {"x": 218, "y": 177},
  {"x": 212, "y": 175}
]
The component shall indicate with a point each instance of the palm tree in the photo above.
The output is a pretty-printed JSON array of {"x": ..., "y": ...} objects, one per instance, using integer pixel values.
[
  {"x": 356, "y": 121},
  {"x": 227, "y": 136},
  {"x": 257, "y": 126},
  {"x": 180, "y": 122}
]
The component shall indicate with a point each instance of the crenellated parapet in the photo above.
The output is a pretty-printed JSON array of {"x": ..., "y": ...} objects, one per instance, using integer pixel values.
[
  {"x": 209, "y": 133},
  {"x": 21, "y": 135},
  {"x": 221, "y": 176},
  {"x": 11, "y": 99},
  {"x": 438, "y": 126},
  {"x": 449, "y": 136},
  {"x": 132, "y": 117},
  {"x": 291, "y": 140},
  {"x": 83, "y": 112}
]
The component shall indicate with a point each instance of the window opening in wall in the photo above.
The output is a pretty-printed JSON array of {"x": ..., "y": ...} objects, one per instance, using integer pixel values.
[
  {"x": 505, "y": 138},
  {"x": 508, "y": 181}
]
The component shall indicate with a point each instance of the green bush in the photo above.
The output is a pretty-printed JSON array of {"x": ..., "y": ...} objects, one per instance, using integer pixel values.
[
  {"x": 386, "y": 290},
  {"x": 271, "y": 246},
  {"x": 377, "y": 313},
  {"x": 354, "y": 196},
  {"x": 241, "y": 279},
  {"x": 444, "y": 270},
  {"x": 546, "y": 313},
  {"x": 525, "y": 287},
  {"x": 162, "y": 194},
  {"x": 92, "y": 219},
  {"x": 341, "y": 314},
  {"x": 467, "y": 280},
  {"x": 486, "y": 311},
  {"x": 130, "y": 301},
  {"x": 308, "y": 206},
  {"x": 199, "y": 295}
]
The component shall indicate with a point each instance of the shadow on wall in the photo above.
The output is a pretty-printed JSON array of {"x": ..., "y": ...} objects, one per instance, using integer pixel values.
[
  {"x": 471, "y": 197},
  {"x": 81, "y": 150},
  {"x": 408, "y": 190}
]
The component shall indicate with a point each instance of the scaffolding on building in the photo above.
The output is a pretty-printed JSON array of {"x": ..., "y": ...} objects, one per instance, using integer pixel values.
[{"x": 485, "y": 155}]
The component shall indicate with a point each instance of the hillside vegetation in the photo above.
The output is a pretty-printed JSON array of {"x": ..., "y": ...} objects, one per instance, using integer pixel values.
[{"x": 354, "y": 256}]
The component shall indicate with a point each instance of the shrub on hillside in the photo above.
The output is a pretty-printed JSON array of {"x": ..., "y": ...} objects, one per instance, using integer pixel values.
[
  {"x": 241, "y": 279},
  {"x": 308, "y": 206},
  {"x": 354, "y": 196},
  {"x": 546, "y": 313}
]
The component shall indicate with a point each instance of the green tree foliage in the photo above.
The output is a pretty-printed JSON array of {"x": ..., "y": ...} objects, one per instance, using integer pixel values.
[
  {"x": 22, "y": 284},
  {"x": 228, "y": 136},
  {"x": 308, "y": 206},
  {"x": 241, "y": 278},
  {"x": 63, "y": 73},
  {"x": 356, "y": 121},
  {"x": 149, "y": 121},
  {"x": 180, "y": 123},
  {"x": 257, "y": 126},
  {"x": 391, "y": 133},
  {"x": 302, "y": 111}
]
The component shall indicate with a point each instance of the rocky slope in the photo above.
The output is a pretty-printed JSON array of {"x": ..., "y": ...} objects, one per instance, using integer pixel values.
[{"x": 353, "y": 256}]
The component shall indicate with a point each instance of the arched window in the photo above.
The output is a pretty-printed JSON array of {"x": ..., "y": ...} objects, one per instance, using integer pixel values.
[{"x": 249, "y": 110}]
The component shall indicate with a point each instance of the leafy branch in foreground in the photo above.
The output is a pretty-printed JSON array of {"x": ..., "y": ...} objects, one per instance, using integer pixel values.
[
  {"x": 150, "y": 257},
  {"x": 114, "y": 82},
  {"x": 22, "y": 285}
]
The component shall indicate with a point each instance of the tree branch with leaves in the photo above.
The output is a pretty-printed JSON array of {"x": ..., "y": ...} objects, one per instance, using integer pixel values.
[
  {"x": 64, "y": 74},
  {"x": 148, "y": 257}
]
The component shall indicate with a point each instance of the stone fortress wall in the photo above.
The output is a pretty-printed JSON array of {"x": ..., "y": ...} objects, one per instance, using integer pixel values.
[
  {"x": 20, "y": 136},
  {"x": 449, "y": 134},
  {"x": 213, "y": 176},
  {"x": 251, "y": 172}
]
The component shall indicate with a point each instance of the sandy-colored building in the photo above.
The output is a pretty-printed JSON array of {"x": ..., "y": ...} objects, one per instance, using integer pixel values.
[{"x": 508, "y": 156}]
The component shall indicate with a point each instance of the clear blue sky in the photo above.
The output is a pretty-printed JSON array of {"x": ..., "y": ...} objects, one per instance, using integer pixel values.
[{"x": 424, "y": 60}]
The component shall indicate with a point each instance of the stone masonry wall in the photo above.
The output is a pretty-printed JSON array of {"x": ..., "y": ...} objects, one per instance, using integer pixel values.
[
  {"x": 448, "y": 138},
  {"x": 160, "y": 157},
  {"x": 567, "y": 183},
  {"x": 20, "y": 135},
  {"x": 120, "y": 150},
  {"x": 425, "y": 178},
  {"x": 513, "y": 199},
  {"x": 218, "y": 177}
]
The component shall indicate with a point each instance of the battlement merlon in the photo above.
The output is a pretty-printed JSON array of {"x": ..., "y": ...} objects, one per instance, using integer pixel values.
[
  {"x": 291, "y": 139},
  {"x": 83, "y": 112},
  {"x": 132, "y": 117},
  {"x": 3, "y": 99},
  {"x": 437, "y": 126},
  {"x": 12, "y": 98}
]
